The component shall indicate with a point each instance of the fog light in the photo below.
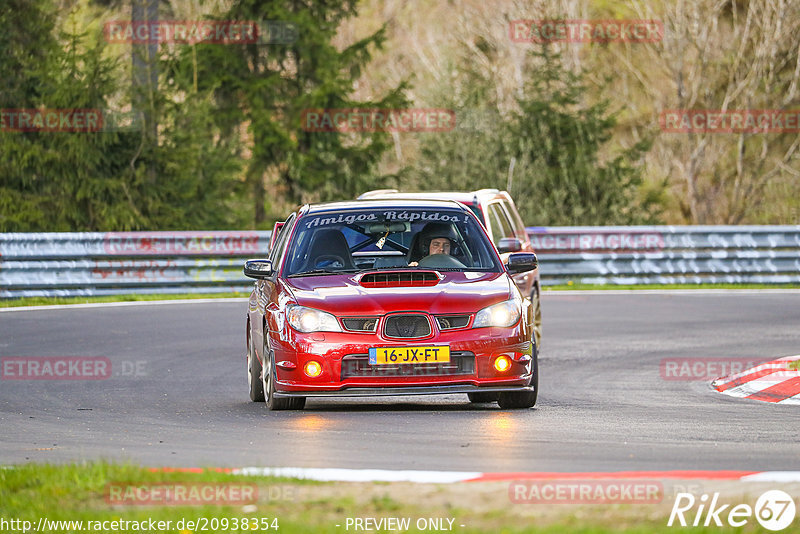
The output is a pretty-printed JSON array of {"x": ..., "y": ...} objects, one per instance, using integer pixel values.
[
  {"x": 312, "y": 369},
  {"x": 502, "y": 363}
]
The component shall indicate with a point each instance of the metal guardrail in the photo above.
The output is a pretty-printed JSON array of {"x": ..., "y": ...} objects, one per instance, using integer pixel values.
[
  {"x": 668, "y": 254},
  {"x": 83, "y": 264}
]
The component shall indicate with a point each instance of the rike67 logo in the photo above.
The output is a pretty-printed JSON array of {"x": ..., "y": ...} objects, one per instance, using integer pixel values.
[{"x": 774, "y": 510}]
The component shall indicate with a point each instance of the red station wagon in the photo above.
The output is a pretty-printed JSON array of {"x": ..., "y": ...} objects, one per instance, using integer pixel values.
[{"x": 389, "y": 297}]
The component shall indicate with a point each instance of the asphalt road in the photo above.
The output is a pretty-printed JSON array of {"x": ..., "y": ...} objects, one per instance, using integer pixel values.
[{"x": 603, "y": 406}]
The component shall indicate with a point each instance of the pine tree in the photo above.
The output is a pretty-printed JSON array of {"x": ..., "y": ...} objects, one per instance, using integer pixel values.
[
  {"x": 66, "y": 180},
  {"x": 268, "y": 87},
  {"x": 112, "y": 179},
  {"x": 554, "y": 140}
]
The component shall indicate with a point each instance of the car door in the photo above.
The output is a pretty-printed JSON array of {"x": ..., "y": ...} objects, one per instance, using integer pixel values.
[
  {"x": 525, "y": 281},
  {"x": 502, "y": 226},
  {"x": 264, "y": 294},
  {"x": 498, "y": 222},
  {"x": 517, "y": 225}
]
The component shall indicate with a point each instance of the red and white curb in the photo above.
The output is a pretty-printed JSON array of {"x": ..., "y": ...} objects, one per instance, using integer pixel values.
[
  {"x": 450, "y": 477},
  {"x": 777, "y": 381}
]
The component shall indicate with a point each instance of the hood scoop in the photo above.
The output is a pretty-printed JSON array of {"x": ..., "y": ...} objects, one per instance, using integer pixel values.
[{"x": 403, "y": 278}]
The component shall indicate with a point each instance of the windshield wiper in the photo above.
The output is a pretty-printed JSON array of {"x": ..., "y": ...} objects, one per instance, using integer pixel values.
[{"x": 322, "y": 272}]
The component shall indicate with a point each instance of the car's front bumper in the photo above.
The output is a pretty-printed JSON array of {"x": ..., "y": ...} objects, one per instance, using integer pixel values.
[
  {"x": 334, "y": 351},
  {"x": 402, "y": 391}
]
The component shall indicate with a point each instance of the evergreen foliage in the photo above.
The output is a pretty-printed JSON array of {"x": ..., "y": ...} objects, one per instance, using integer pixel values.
[
  {"x": 554, "y": 140},
  {"x": 269, "y": 86}
]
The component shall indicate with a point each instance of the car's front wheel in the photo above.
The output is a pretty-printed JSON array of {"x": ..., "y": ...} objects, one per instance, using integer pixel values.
[
  {"x": 522, "y": 399},
  {"x": 268, "y": 384},
  {"x": 254, "y": 374},
  {"x": 480, "y": 397},
  {"x": 536, "y": 303}
]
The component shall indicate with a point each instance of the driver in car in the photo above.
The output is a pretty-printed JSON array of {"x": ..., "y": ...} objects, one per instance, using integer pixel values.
[{"x": 435, "y": 238}]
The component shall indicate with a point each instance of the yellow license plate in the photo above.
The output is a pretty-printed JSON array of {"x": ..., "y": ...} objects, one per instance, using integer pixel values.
[{"x": 408, "y": 355}]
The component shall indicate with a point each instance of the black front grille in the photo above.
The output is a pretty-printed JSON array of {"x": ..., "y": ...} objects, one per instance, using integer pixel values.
[
  {"x": 357, "y": 365},
  {"x": 449, "y": 322},
  {"x": 407, "y": 326},
  {"x": 360, "y": 324}
]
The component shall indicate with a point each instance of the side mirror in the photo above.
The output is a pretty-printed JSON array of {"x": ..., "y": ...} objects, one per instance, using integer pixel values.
[
  {"x": 521, "y": 262},
  {"x": 258, "y": 269},
  {"x": 509, "y": 244}
]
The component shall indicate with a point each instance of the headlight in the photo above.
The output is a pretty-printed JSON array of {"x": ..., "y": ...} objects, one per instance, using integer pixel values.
[
  {"x": 501, "y": 314},
  {"x": 306, "y": 319}
]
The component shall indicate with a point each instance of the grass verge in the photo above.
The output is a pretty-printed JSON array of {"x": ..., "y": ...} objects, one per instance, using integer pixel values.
[
  {"x": 50, "y": 301},
  {"x": 601, "y": 287},
  {"x": 82, "y": 493}
]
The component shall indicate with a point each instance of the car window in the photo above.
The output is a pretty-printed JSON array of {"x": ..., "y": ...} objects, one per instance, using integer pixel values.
[
  {"x": 277, "y": 251},
  {"x": 476, "y": 209},
  {"x": 501, "y": 226},
  {"x": 273, "y": 238},
  {"x": 367, "y": 239},
  {"x": 516, "y": 221}
]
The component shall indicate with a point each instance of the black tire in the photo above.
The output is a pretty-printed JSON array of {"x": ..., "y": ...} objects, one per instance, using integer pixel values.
[
  {"x": 522, "y": 399},
  {"x": 536, "y": 304},
  {"x": 254, "y": 375},
  {"x": 480, "y": 397},
  {"x": 268, "y": 384}
]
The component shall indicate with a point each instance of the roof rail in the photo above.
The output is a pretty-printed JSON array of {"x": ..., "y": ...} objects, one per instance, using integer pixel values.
[
  {"x": 489, "y": 190},
  {"x": 375, "y": 192}
]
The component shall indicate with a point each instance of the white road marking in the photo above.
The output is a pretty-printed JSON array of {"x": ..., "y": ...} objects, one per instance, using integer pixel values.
[{"x": 360, "y": 475}]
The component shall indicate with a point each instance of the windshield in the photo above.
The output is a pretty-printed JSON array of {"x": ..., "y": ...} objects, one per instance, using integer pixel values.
[{"x": 357, "y": 240}]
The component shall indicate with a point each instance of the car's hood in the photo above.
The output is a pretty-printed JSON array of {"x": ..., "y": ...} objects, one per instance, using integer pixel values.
[{"x": 457, "y": 292}]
